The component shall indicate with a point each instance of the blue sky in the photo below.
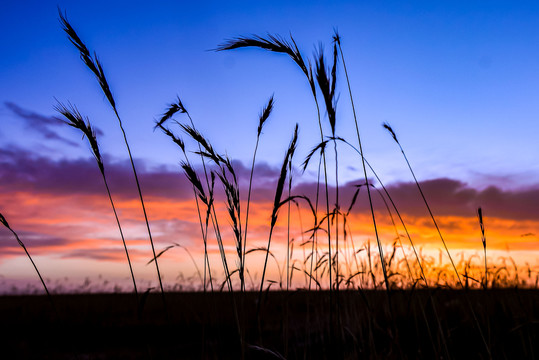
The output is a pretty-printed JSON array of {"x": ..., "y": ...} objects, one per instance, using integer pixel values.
[{"x": 457, "y": 80}]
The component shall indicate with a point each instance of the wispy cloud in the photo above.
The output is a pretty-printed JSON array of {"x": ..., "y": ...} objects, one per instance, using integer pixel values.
[
  {"x": 47, "y": 126},
  {"x": 10, "y": 247},
  {"x": 24, "y": 171}
]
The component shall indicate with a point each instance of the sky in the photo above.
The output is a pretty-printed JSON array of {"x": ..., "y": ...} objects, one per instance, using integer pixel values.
[{"x": 457, "y": 81}]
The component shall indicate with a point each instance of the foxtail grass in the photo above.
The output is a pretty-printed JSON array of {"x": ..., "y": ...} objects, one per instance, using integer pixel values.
[
  {"x": 231, "y": 189},
  {"x": 276, "y": 206},
  {"x": 277, "y": 44},
  {"x": 93, "y": 63},
  {"x": 75, "y": 119},
  {"x": 264, "y": 115},
  {"x": 178, "y": 107},
  {"x": 326, "y": 83},
  {"x": 484, "y": 243}
]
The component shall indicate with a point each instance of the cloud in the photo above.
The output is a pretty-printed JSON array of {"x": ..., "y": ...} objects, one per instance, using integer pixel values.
[
  {"x": 45, "y": 125},
  {"x": 60, "y": 210},
  {"x": 107, "y": 254},
  {"x": 22, "y": 171},
  {"x": 31, "y": 239},
  {"x": 449, "y": 197},
  {"x": 446, "y": 197}
]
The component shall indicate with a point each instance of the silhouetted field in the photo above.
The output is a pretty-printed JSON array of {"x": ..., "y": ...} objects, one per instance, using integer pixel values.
[{"x": 198, "y": 325}]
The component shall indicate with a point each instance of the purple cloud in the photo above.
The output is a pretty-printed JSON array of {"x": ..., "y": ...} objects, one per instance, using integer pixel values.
[
  {"x": 33, "y": 241},
  {"x": 111, "y": 254},
  {"x": 21, "y": 170},
  {"x": 45, "y": 125},
  {"x": 449, "y": 197},
  {"x": 27, "y": 172}
]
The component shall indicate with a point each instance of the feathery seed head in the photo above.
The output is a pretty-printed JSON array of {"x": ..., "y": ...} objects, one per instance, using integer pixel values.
[
  {"x": 174, "y": 138},
  {"x": 326, "y": 83},
  {"x": 386, "y": 126},
  {"x": 195, "y": 181},
  {"x": 91, "y": 62},
  {"x": 274, "y": 43},
  {"x": 170, "y": 111},
  {"x": 4, "y": 221},
  {"x": 336, "y": 36},
  {"x": 210, "y": 152},
  {"x": 72, "y": 35},
  {"x": 76, "y": 120},
  {"x": 265, "y": 115},
  {"x": 282, "y": 176},
  {"x": 482, "y": 226},
  {"x": 321, "y": 147}
]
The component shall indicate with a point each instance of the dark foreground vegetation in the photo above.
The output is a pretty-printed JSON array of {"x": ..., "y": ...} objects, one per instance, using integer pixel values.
[{"x": 294, "y": 325}]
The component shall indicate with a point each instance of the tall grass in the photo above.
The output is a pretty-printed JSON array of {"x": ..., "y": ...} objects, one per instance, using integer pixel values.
[
  {"x": 93, "y": 63},
  {"x": 277, "y": 204},
  {"x": 278, "y": 44},
  {"x": 394, "y": 136},
  {"x": 390, "y": 130},
  {"x": 4, "y": 222},
  {"x": 264, "y": 115},
  {"x": 337, "y": 40},
  {"x": 172, "y": 109},
  {"x": 197, "y": 194},
  {"x": 327, "y": 82},
  {"x": 75, "y": 119},
  {"x": 484, "y": 243}
]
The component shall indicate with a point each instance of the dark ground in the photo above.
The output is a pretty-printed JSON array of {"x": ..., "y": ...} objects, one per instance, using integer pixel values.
[{"x": 293, "y": 325}]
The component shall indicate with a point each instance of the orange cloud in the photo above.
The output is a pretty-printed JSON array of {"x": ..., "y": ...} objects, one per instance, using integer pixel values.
[{"x": 68, "y": 217}]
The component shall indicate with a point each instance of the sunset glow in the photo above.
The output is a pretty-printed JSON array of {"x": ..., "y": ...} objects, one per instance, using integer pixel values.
[{"x": 63, "y": 226}]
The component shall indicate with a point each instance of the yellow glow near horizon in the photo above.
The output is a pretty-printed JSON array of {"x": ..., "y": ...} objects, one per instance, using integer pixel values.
[{"x": 84, "y": 231}]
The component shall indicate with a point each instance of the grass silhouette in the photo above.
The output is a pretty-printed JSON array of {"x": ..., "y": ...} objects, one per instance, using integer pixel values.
[
  {"x": 74, "y": 119},
  {"x": 92, "y": 62}
]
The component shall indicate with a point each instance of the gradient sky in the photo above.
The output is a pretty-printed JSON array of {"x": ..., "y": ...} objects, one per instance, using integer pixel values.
[{"x": 457, "y": 80}]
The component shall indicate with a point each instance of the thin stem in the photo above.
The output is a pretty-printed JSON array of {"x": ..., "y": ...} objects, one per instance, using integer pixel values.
[
  {"x": 397, "y": 234},
  {"x": 337, "y": 210},
  {"x": 204, "y": 231},
  {"x": 33, "y": 264},
  {"x": 121, "y": 232},
  {"x": 315, "y": 234},
  {"x": 143, "y": 206},
  {"x": 364, "y": 169},
  {"x": 248, "y": 204},
  {"x": 288, "y": 229},
  {"x": 432, "y": 216},
  {"x": 448, "y": 254},
  {"x": 5, "y": 223},
  {"x": 396, "y": 211}
]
